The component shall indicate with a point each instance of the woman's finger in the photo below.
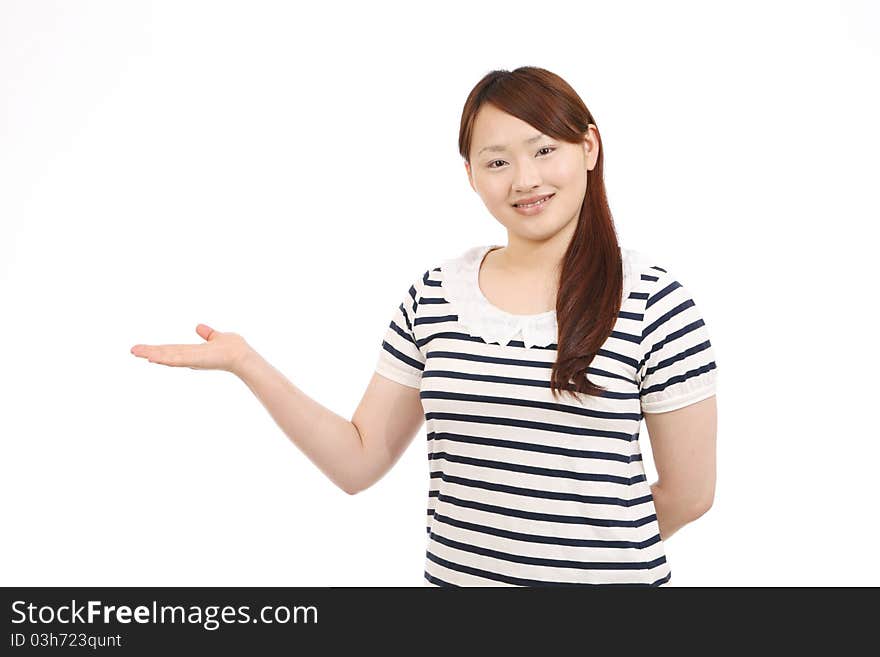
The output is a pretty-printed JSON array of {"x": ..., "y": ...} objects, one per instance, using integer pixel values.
[
  {"x": 174, "y": 355},
  {"x": 204, "y": 331}
]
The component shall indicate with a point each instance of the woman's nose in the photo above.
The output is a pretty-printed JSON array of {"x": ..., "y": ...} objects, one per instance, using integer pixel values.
[{"x": 527, "y": 176}]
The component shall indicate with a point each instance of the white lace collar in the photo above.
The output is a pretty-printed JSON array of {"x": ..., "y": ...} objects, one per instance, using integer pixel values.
[{"x": 461, "y": 289}]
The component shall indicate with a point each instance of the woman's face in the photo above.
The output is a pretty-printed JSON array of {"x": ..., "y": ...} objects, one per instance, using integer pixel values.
[{"x": 526, "y": 164}]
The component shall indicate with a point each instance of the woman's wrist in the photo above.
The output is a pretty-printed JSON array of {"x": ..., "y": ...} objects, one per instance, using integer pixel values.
[{"x": 242, "y": 361}]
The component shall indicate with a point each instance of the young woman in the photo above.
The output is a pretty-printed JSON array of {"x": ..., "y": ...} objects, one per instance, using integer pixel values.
[{"x": 533, "y": 364}]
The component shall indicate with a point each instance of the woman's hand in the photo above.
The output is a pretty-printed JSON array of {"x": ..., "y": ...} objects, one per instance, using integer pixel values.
[{"x": 222, "y": 351}]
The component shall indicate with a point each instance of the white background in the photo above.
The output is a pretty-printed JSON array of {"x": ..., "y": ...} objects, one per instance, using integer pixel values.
[{"x": 286, "y": 170}]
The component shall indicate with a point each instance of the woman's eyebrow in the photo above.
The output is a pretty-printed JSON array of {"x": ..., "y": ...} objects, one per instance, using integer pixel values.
[{"x": 498, "y": 148}]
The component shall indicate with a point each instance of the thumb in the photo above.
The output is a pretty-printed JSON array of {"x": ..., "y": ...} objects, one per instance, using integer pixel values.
[{"x": 204, "y": 331}]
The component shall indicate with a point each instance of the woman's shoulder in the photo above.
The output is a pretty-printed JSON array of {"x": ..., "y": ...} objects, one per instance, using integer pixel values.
[
  {"x": 649, "y": 274},
  {"x": 464, "y": 257},
  {"x": 638, "y": 258},
  {"x": 639, "y": 266}
]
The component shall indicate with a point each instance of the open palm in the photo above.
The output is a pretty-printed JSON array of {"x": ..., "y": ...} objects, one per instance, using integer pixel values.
[{"x": 221, "y": 351}]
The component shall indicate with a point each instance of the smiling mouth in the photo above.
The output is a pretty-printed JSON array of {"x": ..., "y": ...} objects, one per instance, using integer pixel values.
[{"x": 539, "y": 202}]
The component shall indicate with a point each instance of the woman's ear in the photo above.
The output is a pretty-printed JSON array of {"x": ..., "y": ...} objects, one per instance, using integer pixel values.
[
  {"x": 591, "y": 149},
  {"x": 467, "y": 168}
]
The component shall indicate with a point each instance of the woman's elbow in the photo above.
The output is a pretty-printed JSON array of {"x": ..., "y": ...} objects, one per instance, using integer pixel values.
[{"x": 703, "y": 504}]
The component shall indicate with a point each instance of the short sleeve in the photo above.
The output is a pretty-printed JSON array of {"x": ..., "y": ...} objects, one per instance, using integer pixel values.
[
  {"x": 400, "y": 358},
  {"x": 678, "y": 363}
]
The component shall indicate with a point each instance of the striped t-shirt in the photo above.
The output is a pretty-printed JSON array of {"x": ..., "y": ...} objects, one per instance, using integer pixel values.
[{"x": 526, "y": 489}]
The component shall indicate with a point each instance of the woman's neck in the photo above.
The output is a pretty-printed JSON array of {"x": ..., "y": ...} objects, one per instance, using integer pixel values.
[{"x": 532, "y": 258}]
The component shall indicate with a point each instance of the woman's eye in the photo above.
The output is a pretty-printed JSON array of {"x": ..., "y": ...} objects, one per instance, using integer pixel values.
[{"x": 546, "y": 148}]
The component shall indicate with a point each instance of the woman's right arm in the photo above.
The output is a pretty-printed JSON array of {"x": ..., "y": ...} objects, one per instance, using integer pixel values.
[{"x": 354, "y": 454}]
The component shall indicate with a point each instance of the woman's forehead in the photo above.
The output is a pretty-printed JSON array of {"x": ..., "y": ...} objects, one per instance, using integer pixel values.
[
  {"x": 490, "y": 119},
  {"x": 496, "y": 131}
]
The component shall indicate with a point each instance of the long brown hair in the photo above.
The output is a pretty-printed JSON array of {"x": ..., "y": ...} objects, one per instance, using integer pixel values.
[{"x": 591, "y": 278}]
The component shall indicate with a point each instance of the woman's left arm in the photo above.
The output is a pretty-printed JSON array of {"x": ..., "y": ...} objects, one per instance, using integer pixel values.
[{"x": 683, "y": 445}]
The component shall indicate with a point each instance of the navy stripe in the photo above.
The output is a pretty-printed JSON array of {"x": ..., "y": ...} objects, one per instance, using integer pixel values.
[
  {"x": 538, "y": 538},
  {"x": 437, "y": 580},
  {"x": 662, "y": 294},
  {"x": 435, "y": 320},
  {"x": 620, "y": 335},
  {"x": 404, "y": 334},
  {"x": 549, "y": 563},
  {"x": 679, "y": 379},
  {"x": 540, "y": 494},
  {"x": 406, "y": 318},
  {"x": 531, "y": 447},
  {"x": 682, "y": 355},
  {"x": 528, "y": 403},
  {"x": 536, "y": 470},
  {"x": 449, "y": 374},
  {"x": 453, "y": 335},
  {"x": 544, "y": 517},
  {"x": 479, "y": 358},
  {"x": 529, "y": 424},
  {"x": 402, "y": 357},
  {"x": 680, "y": 308},
  {"x": 519, "y": 581},
  {"x": 544, "y": 364}
]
